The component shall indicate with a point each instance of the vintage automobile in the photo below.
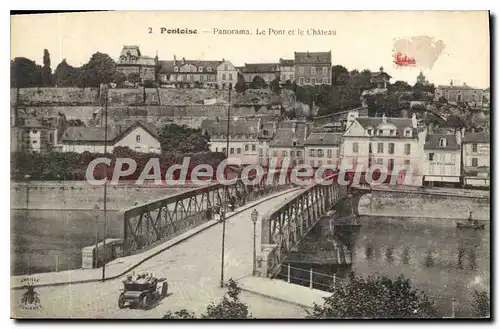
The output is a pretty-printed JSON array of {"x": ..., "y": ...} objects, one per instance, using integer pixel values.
[{"x": 141, "y": 293}]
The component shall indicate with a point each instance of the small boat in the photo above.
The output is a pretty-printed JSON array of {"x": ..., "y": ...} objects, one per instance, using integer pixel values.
[{"x": 471, "y": 225}]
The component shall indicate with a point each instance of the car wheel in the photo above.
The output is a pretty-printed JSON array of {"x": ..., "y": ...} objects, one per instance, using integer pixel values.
[{"x": 121, "y": 301}]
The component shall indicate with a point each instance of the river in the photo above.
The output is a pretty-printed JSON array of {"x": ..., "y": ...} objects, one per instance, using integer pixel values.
[{"x": 438, "y": 258}]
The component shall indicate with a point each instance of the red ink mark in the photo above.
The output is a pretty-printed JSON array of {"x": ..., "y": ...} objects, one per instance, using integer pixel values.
[{"x": 404, "y": 60}]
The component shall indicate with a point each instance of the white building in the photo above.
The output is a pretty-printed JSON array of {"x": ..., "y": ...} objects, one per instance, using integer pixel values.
[
  {"x": 287, "y": 148},
  {"x": 476, "y": 159},
  {"x": 442, "y": 157},
  {"x": 323, "y": 148},
  {"x": 226, "y": 74},
  {"x": 139, "y": 137},
  {"x": 389, "y": 142}
]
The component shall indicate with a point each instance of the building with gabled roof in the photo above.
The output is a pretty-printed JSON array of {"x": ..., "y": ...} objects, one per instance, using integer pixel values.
[
  {"x": 286, "y": 148},
  {"x": 189, "y": 72},
  {"x": 442, "y": 157},
  {"x": 267, "y": 71},
  {"x": 323, "y": 148},
  {"x": 139, "y": 137},
  {"x": 287, "y": 70},
  {"x": 476, "y": 157},
  {"x": 455, "y": 94},
  {"x": 313, "y": 68},
  {"x": 391, "y": 143}
]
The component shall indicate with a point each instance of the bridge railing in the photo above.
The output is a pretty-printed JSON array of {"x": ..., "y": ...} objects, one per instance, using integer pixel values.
[
  {"x": 157, "y": 221},
  {"x": 284, "y": 228}
]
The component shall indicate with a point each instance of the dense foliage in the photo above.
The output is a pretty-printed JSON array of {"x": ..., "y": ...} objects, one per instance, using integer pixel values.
[
  {"x": 183, "y": 139},
  {"x": 375, "y": 297},
  {"x": 230, "y": 307}
]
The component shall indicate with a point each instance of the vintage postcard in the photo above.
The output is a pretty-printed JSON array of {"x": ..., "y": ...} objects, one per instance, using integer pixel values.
[{"x": 239, "y": 165}]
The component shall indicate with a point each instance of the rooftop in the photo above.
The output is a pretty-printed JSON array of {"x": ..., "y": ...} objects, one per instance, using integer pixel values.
[
  {"x": 323, "y": 138},
  {"x": 260, "y": 68},
  {"x": 313, "y": 57},
  {"x": 97, "y": 134},
  {"x": 482, "y": 137}
]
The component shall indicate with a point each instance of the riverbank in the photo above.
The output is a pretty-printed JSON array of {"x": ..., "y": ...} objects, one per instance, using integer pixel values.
[
  {"x": 426, "y": 203},
  {"x": 80, "y": 195}
]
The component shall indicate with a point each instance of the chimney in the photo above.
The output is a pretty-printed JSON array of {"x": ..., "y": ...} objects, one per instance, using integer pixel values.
[
  {"x": 259, "y": 123},
  {"x": 183, "y": 60},
  {"x": 414, "y": 120},
  {"x": 451, "y": 83},
  {"x": 384, "y": 118},
  {"x": 294, "y": 127},
  {"x": 175, "y": 60},
  {"x": 223, "y": 60}
]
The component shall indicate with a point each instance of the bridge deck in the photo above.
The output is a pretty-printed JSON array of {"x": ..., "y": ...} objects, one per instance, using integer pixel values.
[{"x": 193, "y": 272}]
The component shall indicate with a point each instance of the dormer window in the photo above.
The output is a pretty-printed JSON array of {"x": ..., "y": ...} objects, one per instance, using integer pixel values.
[
  {"x": 370, "y": 132},
  {"x": 294, "y": 143},
  {"x": 407, "y": 132},
  {"x": 392, "y": 132},
  {"x": 380, "y": 132},
  {"x": 200, "y": 69},
  {"x": 442, "y": 142},
  {"x": 265, "y": 132},
  {"x": 209, "y": 69},
  {"x": 176, "y": 69}
]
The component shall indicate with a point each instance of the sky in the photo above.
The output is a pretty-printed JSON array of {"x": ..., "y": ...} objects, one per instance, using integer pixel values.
[{"x": 362, "y": 40}]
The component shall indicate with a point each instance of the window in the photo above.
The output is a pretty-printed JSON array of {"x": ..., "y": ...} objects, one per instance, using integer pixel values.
[
  {"x": 223, "y": 150},
  {"x": 442, "y": 142},
  {"x": 230, "y": 76},
  {"x": 312, "y": 163},
  {"x": 370, "y": 132},
  {"x": 390, "y": 165},
  {"x": 34, "y": 142},
  {"x": 392, "y": 132},
  {"x": 299, "y": 154},
  {"x": 209, "y": 69},
  {"x": 379, "y": 161},
  {"x": 370, "y": 148},
  {"x": 474, "y": 162},
  {"x": 380, "y": 131},
  {"x": 313, "y": 70},
  {"x": 320, "y": 163},
  {"x": 391, "y": 148},
  {"x": 380, "y": 148},
  {"x": 431, "y": 156},
  {"x": 138, "y": 138},
  {"x": 275, "y": 154},
  {"x": 407, "y": 132},
  {"x": 176, "y": 69},
  {"x": 238, "y": 150},
  {"x": 232, "y": 150},
  {"x": 285, "y": 154},
  {"x": 453, "y": 158},
  {"x": 320, "y": 153},
  {"x": 34, "y": 131},
  {"x": 407, "y": 162},
  {"x": 329, "y": 162},
  {"x": 407, "y": 149},
  {"x": 474, "y": 147},
  {"x": 51, "y": 138},
  {"x": 355, "y": 147},
  {"x": 301, "y": 81},
  {"x": 311, "y": 153},
  {"x": 313, "y": 81},
  {"x": 301, "y": 70},
  {"x": 260, "y": 152},
  {"x": 294, "y": 143},
  {"x": 329, "y": 153},
  {"x": 223, "y": 76},
  {"x": 326, "y": 81},
  {"x": 325, "y": 71},
  {"x": 246, "y": 147},
  {"x": 200, "y": 69},
  {"x": 292, "y": 154},
  {"x": 253, "y": 147},
  {"x": 216, "y": 149}
]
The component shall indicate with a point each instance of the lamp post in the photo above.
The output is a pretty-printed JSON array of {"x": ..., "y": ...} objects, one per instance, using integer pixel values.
[
  {"x": 254, "y": 216},
  {"x": 105, "y": 182},
  {"x": 27, "y": 178},
  {"x": 96, "y": 208},
  {"x": 225, "y": 190}
]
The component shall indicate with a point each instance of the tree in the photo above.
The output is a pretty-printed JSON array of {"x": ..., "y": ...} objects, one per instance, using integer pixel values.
[
  {"x": 47, "y": 80},
  {"x": 66, "y": 75},
  {"x": 99, "y": 70},
  {"x": 442, "y": 100},
  {"x": 337, "y": 72},
  {"x": 375, "y": 297},
  {"x": 119, "y": 78},
  {"x": 230, "y": 307},
  {"x": 25, "y": 73},
  {"x": 182, "y": 139},
  {"x": 134, "y": 77},
  {"x": 482, "y": 304},
  {"x": 258, "y": 83},
  {"x": 275, "y": 85},
  {"x": 240, "y": 85},
  {"x": 400, "y": 86}
]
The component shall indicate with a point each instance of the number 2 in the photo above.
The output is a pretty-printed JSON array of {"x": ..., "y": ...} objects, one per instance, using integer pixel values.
[{"x": 150, "y": 30}]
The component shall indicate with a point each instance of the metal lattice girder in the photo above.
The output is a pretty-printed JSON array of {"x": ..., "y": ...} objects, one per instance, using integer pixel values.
[
  {"x": 289, "y": 224},
  {"x": 156, "y": 221}
]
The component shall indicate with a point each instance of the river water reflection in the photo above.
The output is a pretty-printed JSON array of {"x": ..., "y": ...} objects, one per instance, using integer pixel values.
[{"x": 440, "y": 259}]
